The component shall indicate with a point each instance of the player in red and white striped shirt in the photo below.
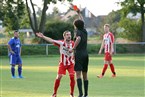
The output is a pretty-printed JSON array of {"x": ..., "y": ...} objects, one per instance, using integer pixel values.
[
  {"x": 107, "y": 44},
  {"x": 66, "y": 60}
]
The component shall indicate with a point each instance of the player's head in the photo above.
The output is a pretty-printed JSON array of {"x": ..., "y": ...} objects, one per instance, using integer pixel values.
[
  {"x": 67, "y": 35},
  {"x": 16, "y": 34},
  {"x": 78, "y": 24},
  {"x": 106, "y": 28}
]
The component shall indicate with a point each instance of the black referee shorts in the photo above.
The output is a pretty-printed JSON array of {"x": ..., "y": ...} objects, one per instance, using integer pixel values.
[{"x": 81, "y": 62}]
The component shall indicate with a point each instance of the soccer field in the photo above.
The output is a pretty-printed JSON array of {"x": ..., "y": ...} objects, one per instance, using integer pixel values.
[{"x": 40, "y": 73}]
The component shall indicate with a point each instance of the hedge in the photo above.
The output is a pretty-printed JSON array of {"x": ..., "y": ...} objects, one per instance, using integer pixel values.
[{"x": 92, "y": 49}]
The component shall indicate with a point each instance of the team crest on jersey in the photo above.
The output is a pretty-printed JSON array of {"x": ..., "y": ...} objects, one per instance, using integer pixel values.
[
  {"x": 65, "y": 51},
  {"x": 17, "y": 44}
]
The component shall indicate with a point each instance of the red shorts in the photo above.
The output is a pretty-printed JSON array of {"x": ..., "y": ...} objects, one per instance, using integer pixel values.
[
  {"x": 108, "y": 56},
  {"x": 62, "y": 69}
]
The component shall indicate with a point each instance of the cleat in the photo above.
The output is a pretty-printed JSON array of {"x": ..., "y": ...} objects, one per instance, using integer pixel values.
[
  {"x": 20, "y": 76},
  {"x": 85, "y": 96},
  {"x": 54, "y": 95},
  {"x": 13, "y": 76},
  {"x": 71, "y": 95},
  {"x": 80, "y": 96},
  {"x": 113, "y": 76},
  {"x": 100, "y": 76}
]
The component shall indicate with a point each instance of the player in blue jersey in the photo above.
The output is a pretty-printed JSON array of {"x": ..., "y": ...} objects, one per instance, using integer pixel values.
[{"x": 14, "y": 47}]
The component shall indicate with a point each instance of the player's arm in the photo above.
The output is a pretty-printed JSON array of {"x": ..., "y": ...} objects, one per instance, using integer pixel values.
[
  {"x": 78, "y": 39},
  {"x": 10, "y": 49},
  {"x": 112, "y": 48},
  {"x": 112, "y": 44},
  {"x": 75, "y": 8},
  {"x": 40, "y": 35},
  {"x": 101, "y": 48},
  {"x": 80, "y": 16},
  {"x": 9, "y": 46},
  {"x": 20, "y": 50}
]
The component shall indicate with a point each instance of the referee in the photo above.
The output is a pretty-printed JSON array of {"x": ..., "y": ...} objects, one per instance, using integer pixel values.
[{"x": 81, "y": 56}]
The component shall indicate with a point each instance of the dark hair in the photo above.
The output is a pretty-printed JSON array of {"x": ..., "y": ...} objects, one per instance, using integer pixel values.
[
  {"x": 79, "y": 24},
  {"x": 16, "y": 31}
]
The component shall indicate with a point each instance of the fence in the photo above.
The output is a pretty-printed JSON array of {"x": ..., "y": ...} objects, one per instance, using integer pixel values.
[{"x": 49, "y": 49}]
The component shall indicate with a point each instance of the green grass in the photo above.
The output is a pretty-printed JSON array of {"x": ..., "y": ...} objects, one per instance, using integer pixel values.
[{"x": 40, "y": 73}]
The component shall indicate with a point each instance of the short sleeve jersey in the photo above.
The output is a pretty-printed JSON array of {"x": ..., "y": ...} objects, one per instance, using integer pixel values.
[
  {"x": 15, "y": 45},
  {"x": 109, "y": 39},
  {"x": 65, "y": 56},
  {"x": 82, "y": 46}
]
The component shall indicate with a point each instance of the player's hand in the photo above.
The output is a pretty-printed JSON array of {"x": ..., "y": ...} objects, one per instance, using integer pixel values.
[
  {"x": 12, "y": 52},
  {"x": 40, "y": 35},
  {"x": 71, "y": 50},
  {"x": 78, "y": 11}
]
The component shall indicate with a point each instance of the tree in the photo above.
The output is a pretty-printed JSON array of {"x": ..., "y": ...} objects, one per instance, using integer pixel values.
[
  {"x": 39, "y": 27},
  {"x": 25, "y": 23},
  {"x": 11, "y": 13},
  {"x": 56, "y": 28},
  {"x": 132, "y": 29},
  {"x": 135, "y": 6},
  {"x": 1, "y": 10},
  {"x": 113, "y": 19}
]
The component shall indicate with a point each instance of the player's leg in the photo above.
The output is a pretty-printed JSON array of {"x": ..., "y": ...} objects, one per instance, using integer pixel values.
[
  {"x": 13, "y": 71},
  {"x": 105, "y": 66},
  {"x": 12, "y": 63},
  {"x": 85, "y": 75},
  {"x": 79, "y": 83},
  {"x": 104, "y": 69},
  {"x": 112, "y": 69},
  {"x": 19, "y": 62},
  {"x": 72, "y": 79},
  {"x": 20, "y": 71},
  {"x": 78, "y": 69},
  {"x": 86, "y": 82},
  {"x": 56, "y": 84},
  {"x": 61, "y": 72}
]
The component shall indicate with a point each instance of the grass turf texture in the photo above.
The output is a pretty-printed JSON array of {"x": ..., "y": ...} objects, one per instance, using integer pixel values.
[{"x": 40, "y": 73}]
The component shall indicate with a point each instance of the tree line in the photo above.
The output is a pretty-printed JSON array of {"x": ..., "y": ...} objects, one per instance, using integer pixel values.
[{"x": 17, "y": 14}]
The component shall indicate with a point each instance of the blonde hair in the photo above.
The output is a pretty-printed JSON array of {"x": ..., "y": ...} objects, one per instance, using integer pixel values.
[
  {"x": 107, "y": 25},
  {"x": 65, "y": 32}
]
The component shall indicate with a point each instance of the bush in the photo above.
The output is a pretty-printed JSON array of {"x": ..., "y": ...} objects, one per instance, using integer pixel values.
[
  {"x": 92, "y": 49},
  {"x": 3, "y": 50},
  {"x": 55, "y": 29},
  {"x": 120, "y": 48},
  {"x": 39, "y": 50}
]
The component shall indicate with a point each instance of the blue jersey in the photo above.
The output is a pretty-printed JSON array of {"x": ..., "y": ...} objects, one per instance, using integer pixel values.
[{"x": 15, "y": 45}]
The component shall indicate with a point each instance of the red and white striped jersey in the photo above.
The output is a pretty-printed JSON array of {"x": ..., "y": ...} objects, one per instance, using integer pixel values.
[
  {"x": 66, "y": 57},
  {"x": 109, "y": 40}
]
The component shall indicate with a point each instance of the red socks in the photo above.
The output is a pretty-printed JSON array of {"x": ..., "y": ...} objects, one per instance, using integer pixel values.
[
  {"x": 72, "y": 84},
  {"x": 104, "y": 69},
  {"x": 56, "y": 85},
  {"x": 112, "y": 68}
]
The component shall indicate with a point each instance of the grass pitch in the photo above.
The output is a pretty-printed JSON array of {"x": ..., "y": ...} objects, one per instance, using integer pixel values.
[{"x": 40, "y": 73}]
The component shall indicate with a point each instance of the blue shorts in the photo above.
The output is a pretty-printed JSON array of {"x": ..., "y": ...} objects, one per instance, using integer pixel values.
[{"x": 15, "y": 59}]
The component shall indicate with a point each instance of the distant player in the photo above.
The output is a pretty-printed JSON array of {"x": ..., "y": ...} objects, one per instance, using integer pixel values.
[
  {"x": 107, "y": 44},
  {"x": 66, "y": 60},
  {"x": 14, "y": 46}
]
